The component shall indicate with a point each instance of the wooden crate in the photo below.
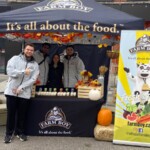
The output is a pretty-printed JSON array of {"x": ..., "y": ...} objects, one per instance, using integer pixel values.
[
  {"x": 83, "y": 91},
  {"x": 3, "y": 114}
]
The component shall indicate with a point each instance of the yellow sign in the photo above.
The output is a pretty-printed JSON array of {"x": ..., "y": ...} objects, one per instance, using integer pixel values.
[{"x": 132, "y": 115}]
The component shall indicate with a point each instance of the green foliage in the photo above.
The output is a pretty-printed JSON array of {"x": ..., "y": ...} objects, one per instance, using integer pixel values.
[
  {"x": 146, "y": 110},
  {"x": 131, "y": 108}
]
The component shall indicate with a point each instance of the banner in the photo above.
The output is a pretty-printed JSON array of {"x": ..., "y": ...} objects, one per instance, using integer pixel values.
[
  {"x": 68, "y": 16},
  {"x": 132, "y": 115}
]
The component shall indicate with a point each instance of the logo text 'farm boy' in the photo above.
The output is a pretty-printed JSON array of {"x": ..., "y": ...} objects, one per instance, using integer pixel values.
[
  {"x": 55, "y": 117},
  {"x": 64, "y": 4}
]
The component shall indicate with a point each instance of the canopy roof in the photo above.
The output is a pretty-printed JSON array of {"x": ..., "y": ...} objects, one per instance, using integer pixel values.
[{"x": 68, "y": 16}]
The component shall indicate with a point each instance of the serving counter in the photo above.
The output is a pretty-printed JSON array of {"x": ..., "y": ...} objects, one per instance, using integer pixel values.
[{"x": 62, "y": 116}]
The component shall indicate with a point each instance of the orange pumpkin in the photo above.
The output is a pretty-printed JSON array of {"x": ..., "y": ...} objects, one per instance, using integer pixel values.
[{"x": 104, "y": 117}]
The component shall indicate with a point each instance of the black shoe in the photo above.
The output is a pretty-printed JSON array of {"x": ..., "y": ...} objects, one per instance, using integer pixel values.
[
  {"x": 16, "y": 134},
  {"x": 7, "y": 139},
  {"x": 22, "y": 137}
]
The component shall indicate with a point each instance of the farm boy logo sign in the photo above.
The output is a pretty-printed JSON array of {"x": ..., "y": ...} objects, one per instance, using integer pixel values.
[
  {"x": 64, "y": 4},
  {"x": 142, "y": 44},
  {"x": 55, "y": 117}
]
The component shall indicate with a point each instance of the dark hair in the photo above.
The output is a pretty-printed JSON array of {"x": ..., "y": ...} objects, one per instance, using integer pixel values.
[
  {"x": 57, "y": 55},
  {"x": 29, "y": 44},
  {"x": 72, "y": 46},
  {"x": 47, "y": 44},
  {"x": 53, "y": 58}
]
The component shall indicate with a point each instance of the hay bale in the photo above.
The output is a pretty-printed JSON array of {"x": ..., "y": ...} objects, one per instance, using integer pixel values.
[
  {"x": 3, "y": 114},
  {"x": 2, "y": 86},
  {"x": 2, "y": 99},
  {"x": 104, "y": 133}
]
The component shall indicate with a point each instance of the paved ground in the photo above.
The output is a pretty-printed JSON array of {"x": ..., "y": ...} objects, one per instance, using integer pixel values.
[
  {"x": 3, "y": 77},
  {"x": 61, "y": 143}
]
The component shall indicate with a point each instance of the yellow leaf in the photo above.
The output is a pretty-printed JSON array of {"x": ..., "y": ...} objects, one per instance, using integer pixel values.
[
  {"x": 100, "y": 46},
  {"x": 105, "y": 45}
]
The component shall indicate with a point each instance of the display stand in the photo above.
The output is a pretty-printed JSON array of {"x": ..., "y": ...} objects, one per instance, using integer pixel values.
[
  {"x": 113, "y": 77},
  {"x": 112, "y": 84}
]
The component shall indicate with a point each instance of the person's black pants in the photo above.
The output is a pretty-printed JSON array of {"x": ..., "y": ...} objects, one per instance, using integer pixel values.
[{"x": 16, "y": 114}]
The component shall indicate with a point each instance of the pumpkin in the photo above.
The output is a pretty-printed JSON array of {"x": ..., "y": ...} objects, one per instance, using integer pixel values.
[
  {"x": 104, "y": 117},
  {"x": 94, "y": 94}
]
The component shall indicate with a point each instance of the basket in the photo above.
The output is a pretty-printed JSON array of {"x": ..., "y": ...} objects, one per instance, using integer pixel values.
[{"x": 112, "y": 54}]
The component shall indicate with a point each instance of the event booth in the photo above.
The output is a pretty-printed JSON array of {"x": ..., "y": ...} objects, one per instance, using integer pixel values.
[{"x": 93, "y": 29}]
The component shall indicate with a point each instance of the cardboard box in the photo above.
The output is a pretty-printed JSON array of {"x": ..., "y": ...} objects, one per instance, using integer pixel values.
[{"x": 83, "y": 91}]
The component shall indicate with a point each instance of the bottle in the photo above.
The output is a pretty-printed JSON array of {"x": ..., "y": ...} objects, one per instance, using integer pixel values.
[{"x": 101, "y": 80}]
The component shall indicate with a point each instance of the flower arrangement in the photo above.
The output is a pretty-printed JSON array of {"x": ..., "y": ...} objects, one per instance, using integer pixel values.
[
  {"x": 102, "y": 70},
  {"x": 90, "y": 83},
  {"x": 37, "y": 82},
  {"x": 86, "y": 73},
  {"x": 86, "y": 80}
]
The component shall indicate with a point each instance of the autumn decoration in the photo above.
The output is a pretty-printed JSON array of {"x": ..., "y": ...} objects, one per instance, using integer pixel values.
[
  {"x": 94, "y": 94},
  {"x": 58, "y": 37},
  {"x": 33, "y": 91},
  {"x": 104, "y": 117},
  {"x": 113, "y": 54},
  {"x": 87, "y": 80},
  {"x": 102, "y": 70}
]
